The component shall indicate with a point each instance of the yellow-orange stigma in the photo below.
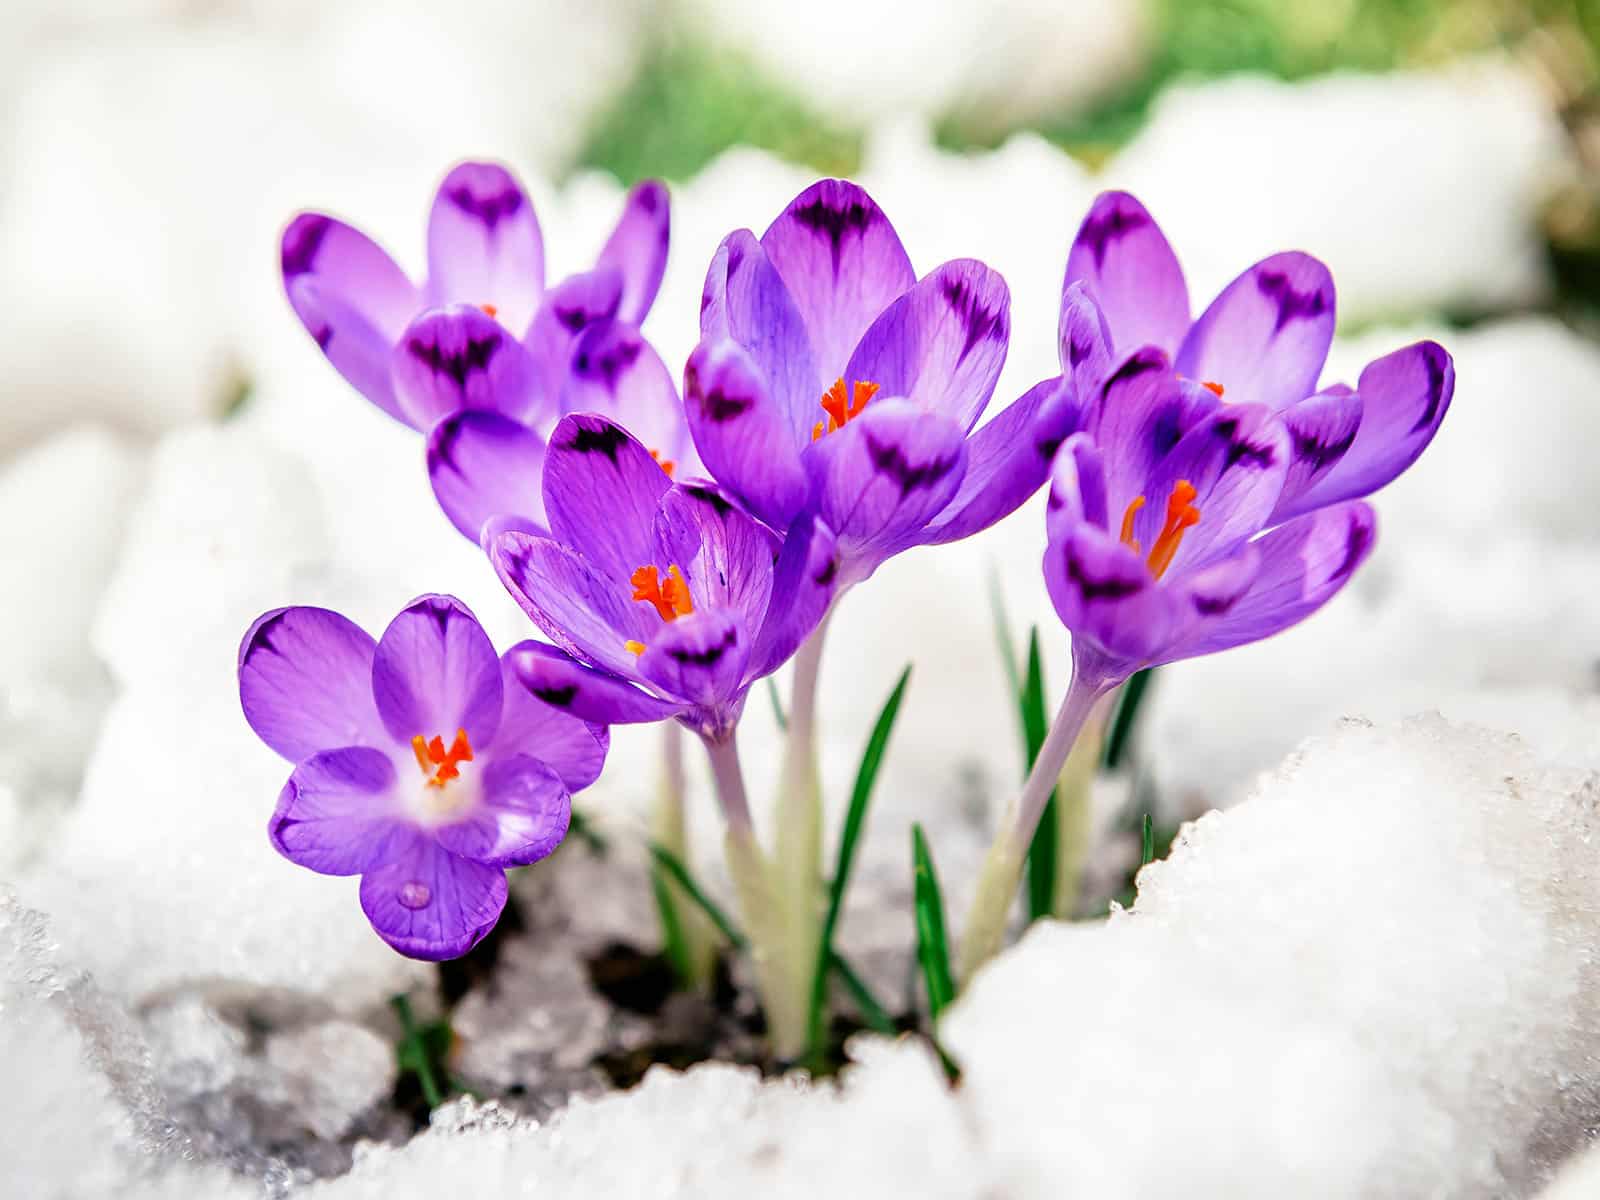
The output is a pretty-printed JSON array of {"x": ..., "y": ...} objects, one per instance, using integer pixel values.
[
  {"x": 842, "y": 406},
  {"x": 1181, "y": 516},
  {"x": 489, "y": 310},
  {"x": 671, "y": 598},
  {"x": 437, "y": 763},
  {"x": 666, "y": 464},
  {"x": 1214, "y": 388}
]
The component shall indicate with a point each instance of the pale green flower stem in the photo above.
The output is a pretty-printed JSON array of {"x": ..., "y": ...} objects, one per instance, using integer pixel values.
[{"x": 669, "y": 829}]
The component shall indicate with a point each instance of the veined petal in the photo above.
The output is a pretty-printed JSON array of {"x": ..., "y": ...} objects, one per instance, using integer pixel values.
[
  {"x": 338, "y": 815},
  {"x": 742, "y": 433},
  {"x": 587, "y": 693},
  {"x": 940, "y": 345},
  {"x": 1142, "y": 414},
  {"x": 522, "y": 814},
  {"x": 1104, "y": 593},
  {"x": 1266, "y": 337},
  {"x": 484, "y": 244},
  {"x": 842, "y": 262},
  {"x": 457, "y": 358},
  {"x": 305, "y": 682},
  {"x": 586, "y": 614},
  {"x": 1008, "y": 459},
  {"x": 431, "y": 904},
  {"x": 1084, "y": 339},
  {"x": 1077, "y": 487},
  {"x": 576, "y": 304},
  {"x": 637, "y": 248},
  {"x": 804, "y": 582},
  {"x": 484, "y": 465},
  {"x": 1403, "y": 399},
  {"x": 574, "y": 749},
  {"x": 725, "y": 555},
  {"x": 1322, "y": 428},
  {"x": 435, "y": 671},
  {"x": 601, "y": 492},
  {"x": 1124, "y": 259},
  {"x": 617, "y": 373},
  {"x": 699, "y": 658}
]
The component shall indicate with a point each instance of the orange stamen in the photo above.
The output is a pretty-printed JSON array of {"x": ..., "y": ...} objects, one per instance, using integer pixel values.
[
  {"x": 1214, "y": 388},
  {"x": 666, "y": 464},
  {"x": 1132, "y": 511},
  {"x": 671, "y": 599},
  {"x": 489, "y": 310},
  {"x": 633, "y": 647},
  {"x": 841, "y": 406},
  {"x": 1181, "y": 516},
  {"x": 437, "y": 763}
]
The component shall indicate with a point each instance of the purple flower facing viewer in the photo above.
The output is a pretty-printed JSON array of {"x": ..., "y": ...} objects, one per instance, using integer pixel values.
[
  {"x": 420, "y": 764},
  {"x": 830, "y": 379},
  {"x": 665, "y": 599}
]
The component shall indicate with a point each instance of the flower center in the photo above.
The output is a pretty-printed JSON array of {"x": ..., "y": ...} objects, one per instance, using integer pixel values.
[
  {"x": 667, "y": 465},
  {"x": 440, "y": 765},
  {"x": 670, "y": 597},
  {"x": 1181, "y": 515},
  {"x": 842, "y": 407}
]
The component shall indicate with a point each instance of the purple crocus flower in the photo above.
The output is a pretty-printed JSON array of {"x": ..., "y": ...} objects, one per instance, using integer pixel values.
[
  {"x": 420, "y": 764},
  {"x": 830, "y": 379},
  {"x": 665, "y": 599}
]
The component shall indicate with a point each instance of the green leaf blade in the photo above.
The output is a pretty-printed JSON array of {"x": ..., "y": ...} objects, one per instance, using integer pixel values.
[{"x": 933, "y": 950}]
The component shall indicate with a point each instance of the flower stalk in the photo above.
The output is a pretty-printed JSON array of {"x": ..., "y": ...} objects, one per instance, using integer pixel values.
[{"x": 669, "y": 829}]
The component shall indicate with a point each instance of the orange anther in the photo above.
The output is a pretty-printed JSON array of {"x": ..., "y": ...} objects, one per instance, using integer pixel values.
[
  {"x": 1128, "y": 515},
  {"x": 633, "y": 647},
  {"x": 666, "y": 464},
  {"x": 1181, "y": 516},
  {"x": 489, "y": 310},
  {"x": 1214, "y": 388},
  {"x": 841, "y": 405},
  {"x": 439, "y": 764},
  {"x": 671, "y": 599}
]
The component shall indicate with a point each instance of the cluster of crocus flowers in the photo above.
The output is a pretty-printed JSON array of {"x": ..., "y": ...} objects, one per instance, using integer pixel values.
[{"x": 1203, "y": 493}]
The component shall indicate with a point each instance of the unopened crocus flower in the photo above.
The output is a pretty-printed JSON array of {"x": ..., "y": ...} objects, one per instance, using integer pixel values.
[
  {"x": 421, "y": 764},
  {"x": 1212, "y": 500}
]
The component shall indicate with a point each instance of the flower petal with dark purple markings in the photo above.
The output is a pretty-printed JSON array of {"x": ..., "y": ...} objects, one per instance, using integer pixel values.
[
  {"x": 585, "y": 613},
  {"x": 637, "y": 248},
  {"x": 431, "y": 904},
  {"x": 1142, "y": 413},
  {"x": 601, "y": 492},
  {"x": 338, "y": 814},
  {"x": 1124, "y": 259},
  {"x": 804, "y": 582},
  {"x": 1104, "y": 593},
  {"x": 435, "y": 671},
  {"x": 575, "y": 305},
  {"x": 484, "y": 244},
  {"x": 1084, "y": 341},
  {"x": 1322, "y": 429},
  {"x": 1077, "y": 487},
  {"x": 573, "y": 748},
  {"x": 725, "y": 555},
  {"x": 555, "y": 678},
  {"x": 305, "y": 682},
  {"x": 699, "y": 658},
  {"x": 452, "y": 359},
  {"x": 617, "y": 373},
  {"x": 484, "y": 465}
]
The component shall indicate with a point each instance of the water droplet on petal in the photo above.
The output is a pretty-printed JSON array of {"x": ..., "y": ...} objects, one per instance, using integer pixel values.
[{"x": 415, "y": 894}]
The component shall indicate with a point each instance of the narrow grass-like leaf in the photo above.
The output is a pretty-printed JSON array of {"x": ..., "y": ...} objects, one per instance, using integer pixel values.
[
  {"x": 673, "y": 943},
  {"x": 1123, "y": 721},
  {"x": 1002, "y": 632},
  {"x": 855, "y": 817},
  {"x": 1147, "y": 841},
  {"x": 414, "y": 1052},
  {"x": 873, "y": 1013},
  {"x": 680, "y": 874},
  {"x": 933, "y": 950},
  {"x": 777, "y": 705},
  {"x": 1042, "y": 857}
]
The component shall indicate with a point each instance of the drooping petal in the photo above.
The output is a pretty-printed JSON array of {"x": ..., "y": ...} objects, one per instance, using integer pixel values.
[
  {"x": 941, "y": 345},
  {"x": 457, "y": 358},
  {"x": 435, "y": 671},
  {"x": 352, "y": 298},
  {"x": 842, "y": 262},
  {"x": 574, "y": 749},
  {"x": 1077, "y": 487},
  {"x": 742, "y": 433},
  {"x": 1266, "y": 337},
  {"x": 637, "y": 248},
  {"x": 1404, "y": 397},
  {"x": 1103, "y": 592},
  {"x": 338, "y": 814},
  {"x": 576, "y": 304},
  {"x": 305, "y": 682},
  {"x": 884, "y": 476},
  {"x": 588, "y": 694},
  {"x": 617, "y": 373},
  {"x": 745, "y": 301},
  {"x": 431, "y": 904},
  {"x": 484, "y": 244},
  {"x": 1084, "y": 339},
  {"x": 1008, "y": 459},
  {"x": 1123, "y": 258},
  {"x": 583, "y": 612},
  {"x": 1303, "y": 565},
  {"x": 601, "y": 492},
  {"x": 484, "y": 465},
  {"x": 804, "y": 582},
  {"x": 522, "y": 814},
  {"x": 1322, "y": 428},
  {"x": 725, "y": 555},
  {"x": 699, "y": 658}
]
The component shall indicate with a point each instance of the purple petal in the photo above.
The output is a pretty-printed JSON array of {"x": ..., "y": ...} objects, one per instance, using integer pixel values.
[
  {"x": 588, "y": 694},
  {"x": 352, "y": 299},
  {"x": 1141, "y": 415},
  {"x": 1077, "y": 487},
  {"x": 742, "y": 432},
  {"x": 431, "y": 904},
  {"x": 699, "y": 658},
  {"x": 574, "y": 749},
  {"x": 522, "y": 814},
  {"x": 1122, "y": 257},
  {"x": 1322, "y": 428},
  {"x": 1403, "y": 399},
  {"x": 601, "y": 492},
  {"x": 637, "y": 248},
  {"x": 458, "y": 358},
  {"x": 804, "y": 582},
  {"x": 1303, "y": 565},
  {"x": 484, "y": 244},
  {"x": 305, "y": 682},
  {"x": 941, "y": 345},
  {"x": 882, "y": 477},
  {"x": 435, "y": 671},
  {"x": 745, "y": 301},
  {"x": 1104, "y": 593},
  {"x": 1265, "y": 338},
  {"x": 842, "y": 263},
  {"x": 725, "y": 556},
  {"x": 574, "y": 305},
  {"x": 586, "y": 614},
  {"x": 483, "y": 465},
  {"x": 1085, "y": 340},
  {"x": 617, "y": 373},
  {"x": 338, "y": 814},
  {"x": 1008, "y": 459},
  {"x": 1214, "y": 590}
]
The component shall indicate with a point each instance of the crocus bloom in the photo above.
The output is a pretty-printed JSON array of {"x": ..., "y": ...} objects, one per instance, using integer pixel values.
[
  {"x": 830, "y": 379},
  {"x": 485, "y": 250},
  {"x": 665, "y": 599},
  {"x": 420, "y": 764}
]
